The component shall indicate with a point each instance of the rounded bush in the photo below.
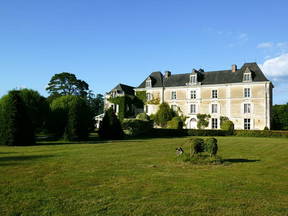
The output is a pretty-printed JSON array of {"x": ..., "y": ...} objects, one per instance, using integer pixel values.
[
  {"x": 175, "y": 123},
  {"x": 143, "y": 116}
]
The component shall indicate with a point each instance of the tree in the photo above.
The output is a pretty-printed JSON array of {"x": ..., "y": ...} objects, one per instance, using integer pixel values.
[
  {"x": 37, "y": 107},
  {"x": 15, "y": 124},
  {"x": 280, "y": 117},
  {"x": 164, "y": 114},
  {"x": 65, "y": 83},
  {"x": 96, "y": 104},
  {"x": 70, "y": 117},
  {"x": 78, "y": 122},
  {"x": 110, "y": 126}
]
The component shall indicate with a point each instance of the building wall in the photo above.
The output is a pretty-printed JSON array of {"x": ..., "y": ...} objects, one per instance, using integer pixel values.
[{"x": 230, "y": 102}]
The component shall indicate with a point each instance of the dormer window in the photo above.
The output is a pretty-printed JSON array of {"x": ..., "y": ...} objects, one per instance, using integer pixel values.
[
  {"x": 247, "y": 76},
  {"x": 148, "y": 83},
  {"x": 193, "y": 79}
]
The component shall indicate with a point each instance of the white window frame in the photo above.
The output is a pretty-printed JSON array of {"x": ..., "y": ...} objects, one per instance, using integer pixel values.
[
  {"x": 148, "y": 83},
  {"x": 213, "y": 110},
  {"x": 247, "y": 124},
  {"x": 247, "y": 92},
  {"x": 194, "y": 109},
  {"x": 193, "y": 79},
  {"x": 247, "y": 77},
  {"x": 214, "y": 123},
  {"x": 213, "y": 94},
  {"x": 193, "y": 94},
  {"x": 247, "y": 108},
  {"x": 173, "y": 95}
]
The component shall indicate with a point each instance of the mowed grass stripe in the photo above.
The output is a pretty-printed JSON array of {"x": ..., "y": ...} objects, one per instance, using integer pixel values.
[{"x": 143, "y": 177}]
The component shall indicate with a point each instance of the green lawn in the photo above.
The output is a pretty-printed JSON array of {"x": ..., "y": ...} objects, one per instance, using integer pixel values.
[{"x": 143, "y": 177}]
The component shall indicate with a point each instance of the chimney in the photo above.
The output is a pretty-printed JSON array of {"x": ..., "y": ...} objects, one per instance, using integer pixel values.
[
  {"x": 234, "y": 68},
  {"x": 167, "y": 74}
]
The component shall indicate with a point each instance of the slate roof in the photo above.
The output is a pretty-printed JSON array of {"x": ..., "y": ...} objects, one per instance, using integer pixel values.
[
  {"x": 206, "y": 78},
  {"x": 125, "y": 88}
]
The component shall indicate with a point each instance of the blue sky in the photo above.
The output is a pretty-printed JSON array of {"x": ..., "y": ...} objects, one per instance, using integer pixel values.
[{"x": 108, "y": 42}]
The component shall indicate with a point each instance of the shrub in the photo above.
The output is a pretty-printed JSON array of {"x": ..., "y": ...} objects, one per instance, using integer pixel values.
[
  {"x": 196, "y": 132},
  {"x": 143, "y": 116},
  {"x": 136, "y": 127},
  {"x": 175, "y": 123},
  {"x": 37, "y": 108},
  {"x": 261, "y": 133},
  {"x": 164, "y": 114},
  {"x": 15, "y": 124},
  {"x": 77, "y": 127},
  {"x": 70, "y": 118},
  {"x": 203, "y": 120},
  {"x": 211, "y": 146},
  {"x": 228, "y": 126},
  {"x": 197, "y": 145},
  {"x": 110, "y": 126}
]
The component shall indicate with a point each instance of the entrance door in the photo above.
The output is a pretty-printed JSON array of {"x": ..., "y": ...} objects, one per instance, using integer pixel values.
[{"x": 193, "y": 123}]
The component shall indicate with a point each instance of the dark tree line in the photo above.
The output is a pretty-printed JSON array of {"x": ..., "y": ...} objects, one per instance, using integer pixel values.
[{"x": 280, "y": 117}]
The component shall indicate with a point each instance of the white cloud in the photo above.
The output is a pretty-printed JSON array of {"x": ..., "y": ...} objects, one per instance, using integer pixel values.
[
  {"x": 276, "y": 67},
  {"x": 265, "y": 45}
]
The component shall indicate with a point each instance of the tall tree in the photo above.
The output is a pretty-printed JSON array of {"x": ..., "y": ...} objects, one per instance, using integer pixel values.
[
  {"x": 15, "y": 124},
  {"x": 65, "y": 83},
  {"x": 70, "y": 118}
]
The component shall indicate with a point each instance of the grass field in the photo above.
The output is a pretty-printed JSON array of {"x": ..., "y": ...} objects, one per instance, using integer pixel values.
[{"x": 143, "y": 177}]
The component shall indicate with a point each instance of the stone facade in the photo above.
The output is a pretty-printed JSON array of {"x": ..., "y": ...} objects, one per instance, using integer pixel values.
[{"x": 246, "y": 101}]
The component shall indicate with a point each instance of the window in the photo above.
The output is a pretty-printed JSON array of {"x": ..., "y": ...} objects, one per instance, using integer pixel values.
[
  {"x": 146, "y": 109},
  {"x": 214, "y": 123},
  {"x": 247, "y": 77},
  {"x": 214, "y": 108},
  {"x": 193, "y": 79},
  {"x": 192, "y": 108},
  {"x": 193, "y": 94},
  {"x": 247, "y": 108},
  {"x": 148, "y": 96},
  {"x": 246, "y": 92},
  {"x": 214, "y": 94},
  {"x": 173, "y": 95},
  {"x": 247, "y": 124},
  {"x": 148, "y": 83}
]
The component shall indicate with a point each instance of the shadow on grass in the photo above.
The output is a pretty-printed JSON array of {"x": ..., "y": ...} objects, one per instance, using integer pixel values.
[
  {"x": 239, "y": 160},
  {"x": 22, "y": 158}
]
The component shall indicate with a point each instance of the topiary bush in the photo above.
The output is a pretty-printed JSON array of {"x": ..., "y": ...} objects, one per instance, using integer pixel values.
[
  {"x": 16, "y": 128},
  {"x": 143, "y": 116},
  {"x": 227, "y": 125},
  {"x": 175, "y": 123},
  {"x": 136, "y": 127},
  {"x": 110, "y": 126},
  {"x": 197, "y": 144},
  {"x": 211, "y": 146}
]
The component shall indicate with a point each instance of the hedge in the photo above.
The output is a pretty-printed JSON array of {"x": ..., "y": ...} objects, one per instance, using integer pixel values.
[
  {"x": 261, "y": 133},
  {"x": 136, "y": 127}
]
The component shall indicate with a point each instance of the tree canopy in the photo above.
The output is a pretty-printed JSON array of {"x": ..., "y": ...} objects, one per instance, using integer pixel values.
[
  {"x": 15, "y": 124},
  {"x": 65, "y": 83}
]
